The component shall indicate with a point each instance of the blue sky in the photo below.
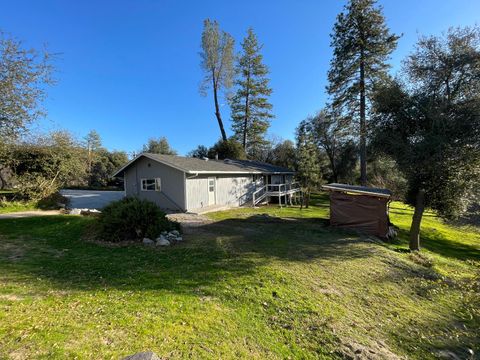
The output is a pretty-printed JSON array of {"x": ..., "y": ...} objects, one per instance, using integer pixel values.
[{"x": 130, "y": 69}]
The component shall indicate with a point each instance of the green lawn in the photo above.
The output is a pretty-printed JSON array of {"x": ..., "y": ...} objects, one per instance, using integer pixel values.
[
  {"x": 258, "y": 283},
  {"x": 9, "y": 205},
  {"x": 16, "y": 206}
]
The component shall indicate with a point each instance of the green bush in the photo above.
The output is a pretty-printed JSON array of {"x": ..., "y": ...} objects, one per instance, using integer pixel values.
[{"x": 132, "y": 219}]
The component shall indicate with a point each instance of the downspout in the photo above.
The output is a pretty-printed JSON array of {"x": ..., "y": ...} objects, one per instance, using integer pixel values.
[{"x": 185, "y": 191}]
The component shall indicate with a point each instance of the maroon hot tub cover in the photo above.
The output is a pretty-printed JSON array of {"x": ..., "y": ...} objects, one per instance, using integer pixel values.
[{"x": 361, "y": 208}]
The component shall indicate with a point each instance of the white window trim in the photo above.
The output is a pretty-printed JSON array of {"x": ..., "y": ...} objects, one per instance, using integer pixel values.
[{"x": 157, "y": 183}]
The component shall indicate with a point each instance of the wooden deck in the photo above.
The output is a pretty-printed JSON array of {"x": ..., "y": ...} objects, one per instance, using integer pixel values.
[{"x": 285, "y": 193}]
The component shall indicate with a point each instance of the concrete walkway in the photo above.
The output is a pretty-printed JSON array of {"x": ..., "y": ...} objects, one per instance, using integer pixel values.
[
  {"x": 91, "y": 199},
  {"x": 24, "y": 214}
]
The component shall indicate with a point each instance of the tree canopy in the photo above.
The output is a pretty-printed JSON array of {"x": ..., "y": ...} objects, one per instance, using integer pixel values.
[
  {"x": 361, "y": 43},
  {"x": 250, "y": 109},
  {"x": 23, "y": 76},
  {"x": 159, "y": 146},
  {"x": 217, "y": 63},
  {"x": 431, "y": 126}
]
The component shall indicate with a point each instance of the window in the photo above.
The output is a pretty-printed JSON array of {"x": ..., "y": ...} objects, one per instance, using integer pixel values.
[
  {"x": 152, "y": 184},
  {"x": 211, "y": 185}
]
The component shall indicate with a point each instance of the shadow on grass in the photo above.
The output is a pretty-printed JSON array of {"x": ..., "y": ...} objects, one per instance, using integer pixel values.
[
  {"x": 51, "y": 248},
  {"x": 436, "y": 242}
]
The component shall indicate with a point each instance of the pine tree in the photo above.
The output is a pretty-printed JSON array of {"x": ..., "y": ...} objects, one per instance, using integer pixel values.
[
  {"x": 250, "y": 109},
  {"x": 361, "y": 44},
  {"x": 93, "y": 142}
]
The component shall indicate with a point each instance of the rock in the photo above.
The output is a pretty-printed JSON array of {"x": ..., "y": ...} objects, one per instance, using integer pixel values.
[
  {"x": 147, "y": 241},
  {"x": 89, "y": 212},
  {"x": 163, "y": 242},
  {"x": 75, "y": 212},
  {"x": 175, "y": 232},
  {"x": 146, "y": 355}
]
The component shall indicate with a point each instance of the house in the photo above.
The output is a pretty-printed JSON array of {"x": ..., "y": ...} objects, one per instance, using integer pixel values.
[
  {"x": 190, "y": 184},
  {"x": 361, "y": 208}
]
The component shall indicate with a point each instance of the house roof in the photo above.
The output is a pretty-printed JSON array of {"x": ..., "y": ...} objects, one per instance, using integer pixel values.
[
  {"x": 362, "y": 190},
  {"x": 201, "y": 166}
]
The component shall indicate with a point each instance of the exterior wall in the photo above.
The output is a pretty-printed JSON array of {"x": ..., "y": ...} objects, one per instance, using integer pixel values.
[
  {"x": 282, "y": 179},
  {"x": 232, "y": 190},
  {"x": 197, "y": 192},
  {"x": 172, "y": 194}
]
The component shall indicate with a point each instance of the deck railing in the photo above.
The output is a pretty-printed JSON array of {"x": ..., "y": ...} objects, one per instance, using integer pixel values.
[{"x": 275, "y": 190}]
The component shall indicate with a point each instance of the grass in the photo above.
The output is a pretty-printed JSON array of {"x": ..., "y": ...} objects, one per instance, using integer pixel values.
[
  {"x": 16, "y": 206},
  {"x": 263, "y": 283},
  {"x": 8, "y": 204}
]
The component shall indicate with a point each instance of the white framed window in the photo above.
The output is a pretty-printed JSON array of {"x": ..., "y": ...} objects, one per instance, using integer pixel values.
[
  {"x": 211, "y": 184},
  {"x": 154, "y": 184}
]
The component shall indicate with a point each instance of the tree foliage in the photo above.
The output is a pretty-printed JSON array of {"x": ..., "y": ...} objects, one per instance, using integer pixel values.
[
  {"x": 230, "y": 149},
  {"x": 308, "y": 167},
  {"x": 250, "y": 109},
  {"x": 331, "y": 136},
  {"x": 217, "y": 63},
  {"x": 432, "y": 126},
  {"x": 361, "y": 44},
  {"x": 45, "y": 164},
  {"x": 106, "y": 163},
  {"x": 23, "y": 76},
  {"x": 283, "y": 154},
  {"x": 159, "y": 146},
  {"x": 200, "y": 152},
  {"x": 93, "y": 143}
]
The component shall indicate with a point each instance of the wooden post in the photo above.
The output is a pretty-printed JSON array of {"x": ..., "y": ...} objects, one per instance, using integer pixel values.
[{"x": 279, "y": 196}]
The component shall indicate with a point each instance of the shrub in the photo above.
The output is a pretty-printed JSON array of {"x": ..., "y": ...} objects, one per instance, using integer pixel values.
[{"x": 132, "y": 219}]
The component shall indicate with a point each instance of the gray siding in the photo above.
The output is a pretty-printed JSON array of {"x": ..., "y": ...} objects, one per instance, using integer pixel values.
[
  {"x": 172, "y": 196},
  {"x": 197, "y": 192},
  {"x": 232, "y": 190}
]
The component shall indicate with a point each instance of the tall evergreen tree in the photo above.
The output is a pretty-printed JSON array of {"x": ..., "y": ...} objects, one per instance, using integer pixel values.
[
  {"x": 251, "y": 111},
  {"x": 93, "y": 143},
  {"x": 361, "y": 44},
  {"x": 217, "y": 63}
]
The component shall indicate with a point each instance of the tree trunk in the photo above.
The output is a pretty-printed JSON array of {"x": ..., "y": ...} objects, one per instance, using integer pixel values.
[
  {"x": 245, "y": 125},
  {"x": 331, "y": 158},
  {"x": 363, "y": 127},
  {"x": 245, "y": 121},
  {"x": 307, "y": 198},
  {"x": 417, "y": 219},
  {"x": 217, "y": 111}
]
